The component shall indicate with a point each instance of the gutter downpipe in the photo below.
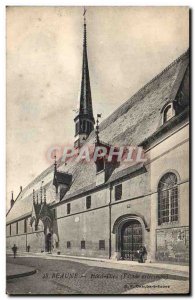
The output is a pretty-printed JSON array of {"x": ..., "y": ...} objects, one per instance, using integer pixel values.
[{"x": 110, "y": 199}]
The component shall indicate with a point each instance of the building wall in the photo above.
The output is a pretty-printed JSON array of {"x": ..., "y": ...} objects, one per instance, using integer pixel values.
[
  {"x": 22, "y": 239},
  {"x": 139, "y": 197},
  {"x": 97, "y": 223},
  {"x": 90, "y": 226},
  {"x": 170, "y": 242},
  {"x": 19, "y": 240}
]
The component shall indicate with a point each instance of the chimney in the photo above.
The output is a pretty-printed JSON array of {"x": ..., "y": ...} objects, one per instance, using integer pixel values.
[{"x": 12, "y": 200}]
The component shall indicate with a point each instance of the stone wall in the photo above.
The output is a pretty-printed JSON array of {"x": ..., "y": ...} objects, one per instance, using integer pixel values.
[{"x": 173, "y": 244}]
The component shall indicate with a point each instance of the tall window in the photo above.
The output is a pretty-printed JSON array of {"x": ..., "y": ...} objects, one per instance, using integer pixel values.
[
  {"x": 68, "y": 245},
  {"x": 118, "y": 192},
  {"x": 168, "y": 199},
  {"x": 16, "y": 227},
  {"x": 68, "y": 208},
  {"x": 88, "y": 202},
  {"x": 10, "y": 229},
  {"x": 25, "y": 225}
]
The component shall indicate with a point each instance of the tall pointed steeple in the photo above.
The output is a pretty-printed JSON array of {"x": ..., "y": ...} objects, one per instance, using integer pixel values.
[{"x": 84, "y": 121}]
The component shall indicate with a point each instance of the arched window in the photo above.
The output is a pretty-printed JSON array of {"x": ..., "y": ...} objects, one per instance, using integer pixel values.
[
  {"x": 168, "y": 199},
  {"x": 167, "y": 113}
]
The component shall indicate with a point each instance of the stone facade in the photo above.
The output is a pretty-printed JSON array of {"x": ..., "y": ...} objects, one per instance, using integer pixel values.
[
  {"x": 81, "y": 215},
  {"x": 166, "y": 242}
]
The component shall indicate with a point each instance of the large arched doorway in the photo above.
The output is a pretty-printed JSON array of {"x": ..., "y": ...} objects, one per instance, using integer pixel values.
[
  {"x": 131, "y": 239},
  {"x": 130, "y": 234}
]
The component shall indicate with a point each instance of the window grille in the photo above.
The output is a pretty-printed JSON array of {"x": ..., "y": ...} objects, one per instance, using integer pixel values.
[{"x": 168, "y": 199}]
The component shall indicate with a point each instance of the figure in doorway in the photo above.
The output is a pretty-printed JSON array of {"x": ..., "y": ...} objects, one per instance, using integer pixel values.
[
  {"x": 48, "y": 243},
  {"x": 142, "y": 252}
]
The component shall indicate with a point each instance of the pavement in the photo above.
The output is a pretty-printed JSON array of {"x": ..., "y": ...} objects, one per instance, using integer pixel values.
[
  {"x": 16, "y": 271},
  {"x": 184, "y": 269},
  {"x": 67, "y": 276}
]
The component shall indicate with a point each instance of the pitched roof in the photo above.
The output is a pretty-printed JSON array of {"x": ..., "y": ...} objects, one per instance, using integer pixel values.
[{"x": 132, "y": 123}]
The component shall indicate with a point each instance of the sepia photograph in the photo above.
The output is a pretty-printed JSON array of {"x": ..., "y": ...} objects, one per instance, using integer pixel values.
[{"x": 97, "y": 150}]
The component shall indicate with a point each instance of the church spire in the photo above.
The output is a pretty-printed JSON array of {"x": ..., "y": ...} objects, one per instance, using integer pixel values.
[{"x": 84, "y": 121}]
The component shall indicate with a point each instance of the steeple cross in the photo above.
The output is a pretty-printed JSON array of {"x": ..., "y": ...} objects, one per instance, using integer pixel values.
[{"x": 84, "y": 12}]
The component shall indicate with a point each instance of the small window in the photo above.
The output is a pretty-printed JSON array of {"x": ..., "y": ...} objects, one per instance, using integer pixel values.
[
  {"x": 10, "y": 229},
  {"x": 101, "y": 244},
  {"x": 168, "y": 113},
  {"x": 88, "y": 202},
  {"x": 68, "y": 245},
  {"x": 16, "y": 227},
  {"x": 118, "y": 192},
  {"x": 82, "y": 244},
  {"x": 25, "y": 225},
  {"x": 100, "y": 165},
  {"x": 68, "y": 208}
]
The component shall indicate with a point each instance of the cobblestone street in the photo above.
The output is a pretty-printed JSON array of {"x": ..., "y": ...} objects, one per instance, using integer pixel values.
[{"x": 63, "y": 276}]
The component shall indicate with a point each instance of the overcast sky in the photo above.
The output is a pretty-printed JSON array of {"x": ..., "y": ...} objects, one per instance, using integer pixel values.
[{"x": 126, "y": 48}]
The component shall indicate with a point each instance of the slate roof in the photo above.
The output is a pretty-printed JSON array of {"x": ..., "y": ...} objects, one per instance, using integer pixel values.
[{"x": 132, "y": 123}]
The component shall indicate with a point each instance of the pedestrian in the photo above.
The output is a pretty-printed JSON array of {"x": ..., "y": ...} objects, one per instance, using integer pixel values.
[
  {"x": 14, "y": 249},
  {"x": 28, "y": 248},
  {"x": 142, "y": 252}
]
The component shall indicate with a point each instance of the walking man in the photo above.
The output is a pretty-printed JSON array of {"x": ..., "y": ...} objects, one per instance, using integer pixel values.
[{"x": 14, "y": 249}]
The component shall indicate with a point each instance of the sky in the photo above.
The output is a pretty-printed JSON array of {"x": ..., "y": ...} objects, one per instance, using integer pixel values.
[{"x": 127, "y": 47}]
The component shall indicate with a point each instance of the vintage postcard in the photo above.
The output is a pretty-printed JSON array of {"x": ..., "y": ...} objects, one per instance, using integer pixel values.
[{"x": 98, "y": 109}]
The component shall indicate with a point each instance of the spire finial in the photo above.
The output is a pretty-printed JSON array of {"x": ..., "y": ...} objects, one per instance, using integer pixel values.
[
  {"x": 55, "y": 162},
  {"x": 44, "y": 195},
  {"x": 37, "y": 198},
  {"x": 12, "y": 199},
  {"x": 97, "y": 128},
  {"x": 84, "y": 12},
  {"x": 33, "y": 196},
  {"x": 41, "y": 190},
  {"x": 85, "y": 30}
]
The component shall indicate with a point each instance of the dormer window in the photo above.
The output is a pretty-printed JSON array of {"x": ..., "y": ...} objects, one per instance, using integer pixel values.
[
  {"x": 62, "y": 182},
  {"x": 167, "y": 112}
]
